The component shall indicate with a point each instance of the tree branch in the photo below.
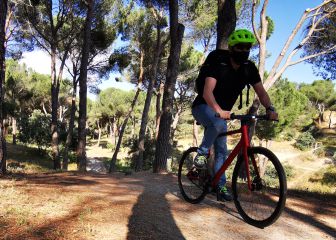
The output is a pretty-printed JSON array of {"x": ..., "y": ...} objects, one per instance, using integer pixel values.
[{"x": 254, "y": 9}]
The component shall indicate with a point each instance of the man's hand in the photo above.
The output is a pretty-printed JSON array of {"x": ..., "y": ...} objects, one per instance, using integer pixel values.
[
  {"x": 224, "y": 114},
  {"x": 272, "y": 115}
]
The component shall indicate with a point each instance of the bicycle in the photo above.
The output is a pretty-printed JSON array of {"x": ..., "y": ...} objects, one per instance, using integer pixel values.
[{"x": 259, "y": 183}]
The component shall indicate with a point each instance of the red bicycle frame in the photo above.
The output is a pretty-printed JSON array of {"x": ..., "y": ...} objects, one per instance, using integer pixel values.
[{"x": 243, "y": 146}]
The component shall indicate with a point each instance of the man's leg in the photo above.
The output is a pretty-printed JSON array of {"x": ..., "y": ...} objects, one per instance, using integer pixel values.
[
  {"x": 220, "y": 145},
  {"x": 220, "y": 157},
  {"x": 213, "y": 126}
]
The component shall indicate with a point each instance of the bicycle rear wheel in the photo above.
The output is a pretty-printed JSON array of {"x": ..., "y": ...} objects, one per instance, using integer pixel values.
[
  {"x": 263, "y": 205},
  {"x": 193, "y": 182}
]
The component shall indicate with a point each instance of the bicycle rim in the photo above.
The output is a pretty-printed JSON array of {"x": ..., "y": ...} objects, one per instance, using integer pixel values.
[
  {"x": 192, "y": 181},
  {"x": 263, "y": 205}
]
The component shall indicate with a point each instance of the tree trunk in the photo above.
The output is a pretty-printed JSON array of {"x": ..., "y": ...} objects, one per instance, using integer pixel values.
[
  {"x": 330, "y": 119},
  {"x": 158, "y": 109},
  {"x": 14, "y": 130},
  {"x": 129, "y": 114},
  {"x": 110, "y": 127},
  {"x": 226, "y": 22},
  {"x": 54, "y": 107},
  {"x": 81, "y": 151},
  {"x": 163, "y": 144},
  {"x": 71, "y": 125},
  {"x": 99, "y": 133},
  {"x": 115, "y": 130},
  {"x": 123, "y": 127},
  {"x": 144, "y": 118},
  {"x": 3, "y": 14}
]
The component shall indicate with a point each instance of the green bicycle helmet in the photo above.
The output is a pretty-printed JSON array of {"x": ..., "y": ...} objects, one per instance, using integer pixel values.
[{"x": 241, "y": 36}]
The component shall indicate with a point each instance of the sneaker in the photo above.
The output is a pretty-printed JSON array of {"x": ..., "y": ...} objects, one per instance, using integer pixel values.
[
  {"x": 223, "y": 194},
  {"x": 200, "y": 161}
]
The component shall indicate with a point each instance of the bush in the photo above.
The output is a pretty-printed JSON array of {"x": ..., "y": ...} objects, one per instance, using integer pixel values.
[
  {"x": 289, "y": 135},
  {"x": 304, "y": 141},
  {"x": 35, "y": 129},
  {"x": 149, "y": 153},
  {"x": 320, "y": 152}
]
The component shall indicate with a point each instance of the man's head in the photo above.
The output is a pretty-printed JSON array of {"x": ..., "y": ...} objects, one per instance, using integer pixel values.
[{"x": 240, "y": 43}]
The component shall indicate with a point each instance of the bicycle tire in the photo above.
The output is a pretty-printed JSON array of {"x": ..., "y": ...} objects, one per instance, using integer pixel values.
[
  {"x": 259, "y": 207},
  {"x": 193, "y": 187}
]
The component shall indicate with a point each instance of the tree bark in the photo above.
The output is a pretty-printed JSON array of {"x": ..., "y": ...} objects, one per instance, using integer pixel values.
[
  {"x": 261, "y": 36},
  {"x": 144, "y": 118},
  {"x": 14, "y": 130},
  {"x": 99, "y": 133},
  {"x": 81, "y": 149},
  {"x": 71, "y": 124},
  {"x": 163, "y": 144},
  {"x": 3, "y": 14},
  {"x": 226, "y": 22},
  {"x": 54, "y": 107},
  {"x": 158, "y": 109}
]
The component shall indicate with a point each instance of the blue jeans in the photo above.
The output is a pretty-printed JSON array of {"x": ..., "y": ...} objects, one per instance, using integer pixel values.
[{"x": 213, "y": 127}]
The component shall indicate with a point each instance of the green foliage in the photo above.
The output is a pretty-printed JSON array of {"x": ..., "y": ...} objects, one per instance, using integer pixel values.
[
  {"x": 289, "y": 171},
  {"x": 35, "y": 129},
  {"x": 202, "y": 17},
  {"x": 190, "y": 58},
  {"x": 270, "y": 27},
  {"x": 304, "y": 141},
  {"x": 149, "y": 153},
  {"x": 320, "y": 91},
  {"x": 289, "y": 135},
  {"x": 289, "y": 103}
]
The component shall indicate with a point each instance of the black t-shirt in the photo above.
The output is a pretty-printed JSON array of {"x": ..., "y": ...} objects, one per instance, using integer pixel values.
[{"x": 230, "y": 82}]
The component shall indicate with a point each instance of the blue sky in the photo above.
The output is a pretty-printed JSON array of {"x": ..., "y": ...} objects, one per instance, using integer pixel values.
[{"x": 285, "y": 14}]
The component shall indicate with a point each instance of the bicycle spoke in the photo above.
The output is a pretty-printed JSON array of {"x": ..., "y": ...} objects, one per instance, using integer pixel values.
[
  {"x": 192, "y": 181},
  {"x": 266, "y": 199}
]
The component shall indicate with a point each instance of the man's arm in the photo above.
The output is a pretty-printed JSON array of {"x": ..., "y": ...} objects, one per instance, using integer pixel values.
[
  {"x": 209, "y": 86},
  {"x": 265, "y": 100}
]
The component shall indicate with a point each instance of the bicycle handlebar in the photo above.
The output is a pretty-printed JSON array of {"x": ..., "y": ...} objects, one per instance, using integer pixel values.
[{"x": 248, "y": 117}]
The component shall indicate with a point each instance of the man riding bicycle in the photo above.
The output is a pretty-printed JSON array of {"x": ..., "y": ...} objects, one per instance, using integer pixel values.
[{"x": 221, "y": 79}]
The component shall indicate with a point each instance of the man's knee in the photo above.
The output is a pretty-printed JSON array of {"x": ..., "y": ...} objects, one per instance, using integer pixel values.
[{"x": 220, "y": 126}]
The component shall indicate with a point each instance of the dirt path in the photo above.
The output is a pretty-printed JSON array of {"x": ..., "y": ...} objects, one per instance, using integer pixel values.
[{"x": 140, "y": 206}]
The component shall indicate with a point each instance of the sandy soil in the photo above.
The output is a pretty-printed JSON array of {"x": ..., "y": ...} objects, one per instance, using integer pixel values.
[{"x": 140, "y": 206}]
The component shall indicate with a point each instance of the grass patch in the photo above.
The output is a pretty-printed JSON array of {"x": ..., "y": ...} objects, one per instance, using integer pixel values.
[
  {"x": 320, "y": 182},
  {"x": 326, "y": 176},
  {"x": 27, "y": 159}
]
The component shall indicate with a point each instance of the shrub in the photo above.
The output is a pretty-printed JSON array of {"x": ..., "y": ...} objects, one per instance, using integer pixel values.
[
  {"x": 35, "y": 129},
  {"x": 320, "y": 152},
  {"x": 289, "y": 135},
  {"x": 149, "y": 153},
  {"x": 304, "y": 141}
]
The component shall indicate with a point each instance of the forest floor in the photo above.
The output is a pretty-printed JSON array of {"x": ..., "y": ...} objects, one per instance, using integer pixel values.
[
  {"x": 40, "y": 204},
  {"x": 141, "y": 206}
]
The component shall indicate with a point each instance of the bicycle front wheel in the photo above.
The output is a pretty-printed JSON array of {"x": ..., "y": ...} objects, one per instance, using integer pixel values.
[
  {"x": 192, "y": 181},
  {"x": 262, "y": 205}
]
